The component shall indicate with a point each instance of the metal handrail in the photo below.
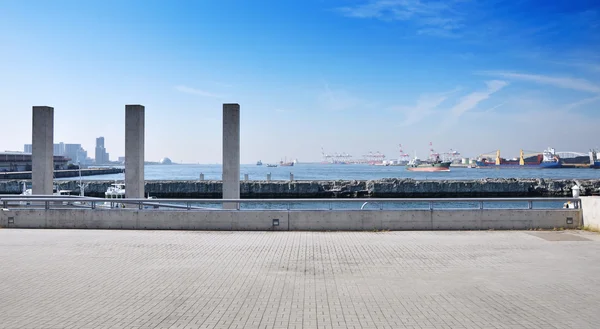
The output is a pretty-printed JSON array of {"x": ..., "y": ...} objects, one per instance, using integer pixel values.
[
  {"x": 93, "y": 202},
  {"x": 308, "y": 200}
]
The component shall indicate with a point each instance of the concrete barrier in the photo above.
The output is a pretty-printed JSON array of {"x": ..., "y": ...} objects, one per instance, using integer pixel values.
[
  {"x": 591, "y": 212},
  {"x": 303, "y": 220}
]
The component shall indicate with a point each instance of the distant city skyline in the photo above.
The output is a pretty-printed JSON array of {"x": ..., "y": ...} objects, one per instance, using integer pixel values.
[
  {"x": 74, "y": 152},
  {"x": 344, "y": 75}
]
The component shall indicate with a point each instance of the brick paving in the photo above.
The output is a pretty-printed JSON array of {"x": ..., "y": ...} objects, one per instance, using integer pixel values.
[{"x": 173, "y": 279}]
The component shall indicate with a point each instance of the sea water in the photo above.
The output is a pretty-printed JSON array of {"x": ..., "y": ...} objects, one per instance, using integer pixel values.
[{"x": 314, "y": 171}]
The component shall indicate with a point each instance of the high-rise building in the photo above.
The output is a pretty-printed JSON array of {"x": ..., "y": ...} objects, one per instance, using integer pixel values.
[
  {"x": 59, "y": 149},
  {"x": 74, "y": 152},
  {"x": 102, "y": 157}
]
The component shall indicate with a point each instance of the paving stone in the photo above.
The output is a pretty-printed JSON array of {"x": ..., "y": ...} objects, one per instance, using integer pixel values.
[{"x": 170, "y": 279}]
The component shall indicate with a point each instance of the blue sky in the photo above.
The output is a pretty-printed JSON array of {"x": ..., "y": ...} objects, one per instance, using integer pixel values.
[{"x": 346, "y": 75}]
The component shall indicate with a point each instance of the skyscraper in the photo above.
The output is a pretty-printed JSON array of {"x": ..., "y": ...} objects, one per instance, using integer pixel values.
[
  {"x": 59, "y": 149},
  {"x": 75, "y": 152},
  {"x": 102, "y": 156}
]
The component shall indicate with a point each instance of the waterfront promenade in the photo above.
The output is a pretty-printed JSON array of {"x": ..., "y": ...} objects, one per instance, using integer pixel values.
[{"x": 175, "y": 279}]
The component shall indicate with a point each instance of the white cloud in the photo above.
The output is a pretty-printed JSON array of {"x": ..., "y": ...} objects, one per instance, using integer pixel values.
[
  {"x": 426, "y": 105},
  {"x": 436, "y": 18},
  {"x": 580, "y": 103},
  {"x": 338, "y": 99},
  {"x": 194, "y": 91},
  {"x": 471, "y": 100},
  {"x": 561, "y": 82}
]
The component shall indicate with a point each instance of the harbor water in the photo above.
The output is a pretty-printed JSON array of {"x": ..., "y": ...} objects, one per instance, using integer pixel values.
[{"x": 310, "y": 171}]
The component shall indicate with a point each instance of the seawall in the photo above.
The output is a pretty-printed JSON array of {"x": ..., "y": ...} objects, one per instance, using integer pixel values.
[
  {"x": 63, "y": 173},
  {"x": 383, "y": 188}
]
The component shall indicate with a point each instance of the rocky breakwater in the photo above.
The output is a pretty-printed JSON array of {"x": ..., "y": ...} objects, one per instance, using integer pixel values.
[{"x": 383, "y": 188}]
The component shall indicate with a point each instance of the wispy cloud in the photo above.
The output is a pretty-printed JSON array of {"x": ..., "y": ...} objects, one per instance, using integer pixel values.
[
  {"x": 471, "y": 100},
  {"x": 194, "y": 91},
  {"x": 491, "y": 109},
  {"x": 434, "y": 18},
  {"x": 561, "y": 82},
  {"x": 425, "y": 106},
  {"x": 339, "y": 99},
  {"x": 586, "y": 101}
]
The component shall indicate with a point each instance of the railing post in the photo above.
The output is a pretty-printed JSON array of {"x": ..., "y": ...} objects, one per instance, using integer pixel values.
[
  {"x": 529, "y": 204},
  {"x": 188, "y": 206},
  {"x": 93, "y": 204},
  {"x": 481, "y": 205},
  {"x": 46, "y": 205},
  {"x": 141, "y": 205},
  {"x": 431, "y": 205}
]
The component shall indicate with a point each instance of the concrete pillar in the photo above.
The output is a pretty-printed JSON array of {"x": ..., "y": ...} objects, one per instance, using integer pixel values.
[
  {"x": 134, "y": 151},
  {"x": 291, "y": 177},
  {"x": 42, "y": 158},
  {"x": 201, "y": 176},
  {"x": 231, "y": 154}
]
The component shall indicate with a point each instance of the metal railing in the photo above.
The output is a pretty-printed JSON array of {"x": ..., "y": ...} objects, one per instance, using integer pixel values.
[{"x": 362, "y": 204}]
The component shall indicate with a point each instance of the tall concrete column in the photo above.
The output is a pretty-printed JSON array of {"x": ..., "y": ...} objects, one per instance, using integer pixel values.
[
  {"x": 134, "y": 151},
  {"x": 231, "y": 154},
  {"x": 42, "y": 149}
]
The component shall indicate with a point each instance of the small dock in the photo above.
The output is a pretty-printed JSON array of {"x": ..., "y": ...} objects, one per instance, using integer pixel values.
[{"x": 63, "y": 173}]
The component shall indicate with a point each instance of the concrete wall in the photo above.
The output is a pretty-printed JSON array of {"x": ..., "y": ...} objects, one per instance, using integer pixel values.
[
  {"x": 591, "y": 212},
  {"x": 291, "y": 220}
]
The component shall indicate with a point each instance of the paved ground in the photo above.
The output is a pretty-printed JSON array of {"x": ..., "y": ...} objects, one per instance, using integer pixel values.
[{"x": 160, "y": 279}]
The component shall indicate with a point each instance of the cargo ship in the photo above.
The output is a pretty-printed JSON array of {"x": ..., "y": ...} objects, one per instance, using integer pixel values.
[
  {"x": 546, "y": 160},
  {"x": 429, "y": 166},
  {"x": 594, "y": 161}
]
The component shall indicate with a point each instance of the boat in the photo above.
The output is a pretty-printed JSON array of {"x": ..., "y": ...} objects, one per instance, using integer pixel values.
[
  {"x": 546, "y": 160},
  {"x": 594, "y": 161},
  {"x": 428, "y": 166},
  {"x": 116, "y": 192},
  {"x": 286, "y": 163},
  {"x": 259, "y": 163},
  {"x": 270, "y": 165},
  {"x": 55, "y": 192}
]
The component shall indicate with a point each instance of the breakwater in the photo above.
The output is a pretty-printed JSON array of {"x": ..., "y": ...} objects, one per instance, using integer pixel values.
[
  {"x": 63, "y": 173},
  {"x": 381, "y": 188}
]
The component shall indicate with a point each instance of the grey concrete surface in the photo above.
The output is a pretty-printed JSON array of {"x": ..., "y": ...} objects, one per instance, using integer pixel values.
[
  {"x": 42, "y": 150},
  {"x": 134, "y": 151},
  {"x": 171, "y": 279},
  {"x": 231, "y": 154},
  {"x": 591, "y": 212},
  {"x": 293, "y": 220}
]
